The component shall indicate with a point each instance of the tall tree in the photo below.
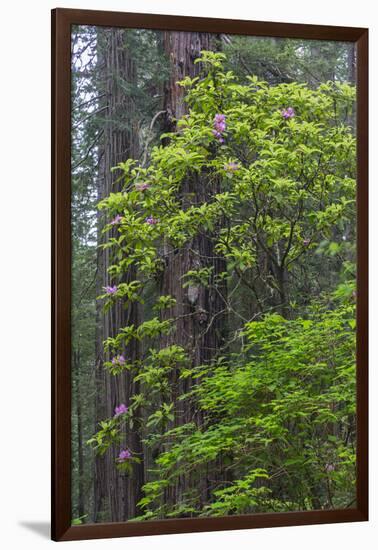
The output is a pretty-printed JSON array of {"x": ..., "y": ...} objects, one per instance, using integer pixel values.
[
  {"x": 84, "y": 173},
  {"x": 199, "y": 309},
  {"x": 115, "y": 495}
]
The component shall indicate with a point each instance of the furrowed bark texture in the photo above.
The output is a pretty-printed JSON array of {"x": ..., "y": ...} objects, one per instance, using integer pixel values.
[
  {"x": 116, "y": 496},
  {"x": 79, "y": 427},
  {"x": 199, "y": 310}
]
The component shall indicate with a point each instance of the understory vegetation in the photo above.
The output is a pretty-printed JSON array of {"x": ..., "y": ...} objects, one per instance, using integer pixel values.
[{"x": 221, "y": 334}]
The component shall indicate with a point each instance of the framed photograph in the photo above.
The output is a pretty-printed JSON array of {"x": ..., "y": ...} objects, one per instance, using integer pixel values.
[{"x": 209, "y": 196}]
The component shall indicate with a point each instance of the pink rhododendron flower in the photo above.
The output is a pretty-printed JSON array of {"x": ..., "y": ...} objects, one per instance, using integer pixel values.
[
  {"x": 116, "y": 220},
  {"x": 110, "y": 289},
  {"x": 151, "y": 220},
  {"x": 142, "y": 186},
  {"x": 219, "y": 126},
  {"x": 119, "y": 360},
  {"x": 219, "y": 118},
  {"x": 124, "y": 455},
  {"x": 288, "y": 113},
  {"x": 231, "y": 167},
  {"x": 121, "y": 409}
]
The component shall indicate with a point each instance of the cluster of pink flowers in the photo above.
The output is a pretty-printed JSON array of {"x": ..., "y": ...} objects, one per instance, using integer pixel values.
[
  {"x": 306, "y": 242},
  {"x": 142, "y": 186},
  {"x": 219, "y": 127},
  {"x": 151, "y": 220},
  {"x": 231, "y": 167},
  {"x": 121, "y": 409},
  {"x": 110, "y": 289},
  {"x": 119, "y": 360},
  {"x": 124, "y": 455},
  {"x": 288, "y": 113},
  {"x": 116, "y": 220}
]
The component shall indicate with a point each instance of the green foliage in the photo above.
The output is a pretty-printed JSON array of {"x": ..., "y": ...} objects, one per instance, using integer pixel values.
[
  {"x": 197, "y": 276},
  {"x": 164, "y": 302},
  {"x": 239, "y": 497},
  {"x": 161, "y": 416},
  {"x": 293, "y": 186},
  {"x": 283, "y": 411},
  {"x": 107, "y": 435},
  {"x": 271, "y": 415},
  {"x": 289, "y": 60},
  {"x": 80, "y": 520},
  {"x": 126, "y": 467}
]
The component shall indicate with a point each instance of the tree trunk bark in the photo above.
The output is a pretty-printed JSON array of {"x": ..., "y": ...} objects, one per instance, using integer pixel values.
[
  {"x": 116, "y": 496},
  {"x": 79, "y": 438},
  {"x": 200, "y": 324},
  {"x": 351, "y": 64}
]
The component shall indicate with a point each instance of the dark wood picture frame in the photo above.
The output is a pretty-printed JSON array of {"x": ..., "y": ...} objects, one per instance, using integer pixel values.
[{"x": 62, "y": 19}]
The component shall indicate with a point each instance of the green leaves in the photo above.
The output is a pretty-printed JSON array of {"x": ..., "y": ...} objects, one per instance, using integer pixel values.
[
  {"x": 240, "y": 497},
  {"x": 80, "y": 520},
  {"x": 106, "y": 436},
  {"x": 293, "y": 190},
  {"x": 149, "y": 329},
  {"x": 261, "y": 223},
  {"x": 266, "y": 412},
  {"x": 126, "y": 291},
  {"x": 197, "y": 276},
  {"x": 161, "y": 416},
  {"x": 164, "y": 302}
]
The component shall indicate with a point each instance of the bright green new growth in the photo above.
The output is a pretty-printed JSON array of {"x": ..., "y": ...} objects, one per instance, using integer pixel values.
[
  {"x": 281, "y": 413},
  {"x": 277, "y": 402}
]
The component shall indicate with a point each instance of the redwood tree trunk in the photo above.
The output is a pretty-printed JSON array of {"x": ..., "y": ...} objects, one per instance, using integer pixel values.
[
  {"x": 79, "y": 427},
  {"x": 200, "y": 323},
  {"x": 116, "y": 495}
]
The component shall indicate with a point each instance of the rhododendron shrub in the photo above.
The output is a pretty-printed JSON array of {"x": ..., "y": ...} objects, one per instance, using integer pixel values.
[{"x": 273, "y": 416}]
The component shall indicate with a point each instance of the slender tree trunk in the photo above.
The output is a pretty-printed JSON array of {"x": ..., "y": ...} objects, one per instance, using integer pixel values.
[
  {"x": 79, "y": 432},
  {"x": 81, "y": 506},
  {"x": 282, "y": 280},
  {"x": 351, "y": 64}
]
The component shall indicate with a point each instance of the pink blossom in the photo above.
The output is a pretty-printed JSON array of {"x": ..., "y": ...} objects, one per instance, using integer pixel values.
[
  {"x": 119, "y": 360},
  {"x": 121, "y": 409},
  {"x": 124, "y": 455},
  {"x": 219, "y": 125},
  {"x": 288, "y": 113},
  {"x": 231, "y": 167},
  {"x": 110, "y": 289},
  {"x": 219, "y": 118},
  {"x": 142, "y": 186},
  {"x": 151, "y": 220},
  {"x": 116, "y": 220}
]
